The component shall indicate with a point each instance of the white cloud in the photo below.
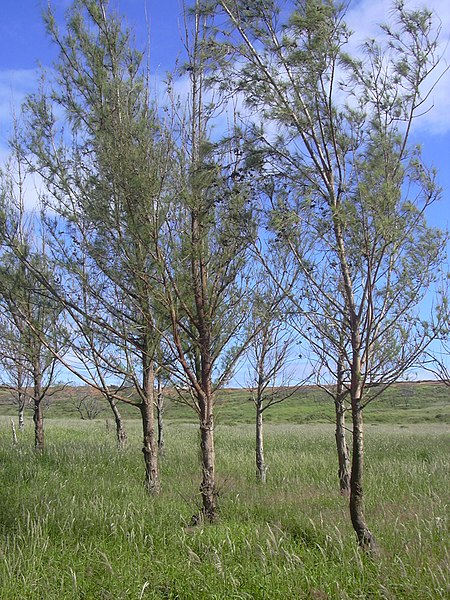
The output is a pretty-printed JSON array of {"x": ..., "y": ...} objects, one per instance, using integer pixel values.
[
  {"x": 14, "y": 86},
  {"x": 364, "y": 18}
]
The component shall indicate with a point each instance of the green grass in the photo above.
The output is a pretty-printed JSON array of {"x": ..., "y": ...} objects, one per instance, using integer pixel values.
[{"x": 77, "y": 523}]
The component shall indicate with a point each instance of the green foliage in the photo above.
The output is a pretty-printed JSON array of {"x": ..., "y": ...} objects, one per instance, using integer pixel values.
[
  {"x": 96, "y": 138},
  {"x": 31, "y": 323},
  {"x": 345, "y": 194}
]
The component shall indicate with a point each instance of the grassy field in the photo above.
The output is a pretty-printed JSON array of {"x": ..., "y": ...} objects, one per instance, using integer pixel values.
[{"x": 76, "y": 523}]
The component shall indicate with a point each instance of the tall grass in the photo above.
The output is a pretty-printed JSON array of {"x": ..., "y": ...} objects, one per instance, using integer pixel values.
[{"x": 77, "y": 523}]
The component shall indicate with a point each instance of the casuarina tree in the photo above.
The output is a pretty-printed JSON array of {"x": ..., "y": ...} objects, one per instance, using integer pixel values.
[
  {"x": 95, "y": 138},
  {"x": 350, "y": 193}
]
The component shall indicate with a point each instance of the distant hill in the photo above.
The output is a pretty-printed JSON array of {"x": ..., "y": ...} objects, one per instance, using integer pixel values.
[{"x": 403, "y": 402}]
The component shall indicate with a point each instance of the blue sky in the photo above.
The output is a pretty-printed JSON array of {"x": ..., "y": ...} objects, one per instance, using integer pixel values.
[
  {"x": 24, "y": 46},
  {"x": 23, "y": 42}
]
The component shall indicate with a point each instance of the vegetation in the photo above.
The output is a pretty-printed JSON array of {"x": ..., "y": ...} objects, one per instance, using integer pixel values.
[
  {"x": 31, "y": 322},
  {"x": 75, "y": 522},
  {"x": 346, "y": 192},
  {"x": 402, "y": 404},
  {"x": 165, "y": 256}
]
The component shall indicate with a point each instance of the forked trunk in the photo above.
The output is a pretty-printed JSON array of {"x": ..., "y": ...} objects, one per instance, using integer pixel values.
[
  {"x": 38, "y": 418},
  {"x": 342, "y": 448},
  {"x": 120, "y": 429},
  {"x": 261, "y": 467},
  {"x": 365, "y": 537},
  {"x": 208, "y": 484}
]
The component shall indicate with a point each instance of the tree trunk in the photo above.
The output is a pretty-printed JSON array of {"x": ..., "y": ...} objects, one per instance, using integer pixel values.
[
  {"x": 21, "y": 417},
  {"x": 342, "y": 448},
  {"x": 120, "y": 429},
  {"x": 38, "y": 418},
  {"x": 160, "y": 414},
  {"x": 365, "y": 537},
  {"x": 149, "y": 447},
  {"x": 208, "y": 484},
  {"x": 261, "y": 467},
  {"x": 339, "y": 405},
  {"x": 13, "y": 431}
]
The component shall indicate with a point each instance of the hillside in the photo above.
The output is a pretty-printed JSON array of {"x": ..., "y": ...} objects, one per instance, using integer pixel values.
[{"x": 408, "y": 402}]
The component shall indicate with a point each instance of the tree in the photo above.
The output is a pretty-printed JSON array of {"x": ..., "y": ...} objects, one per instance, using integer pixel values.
[
  {"x": 31, "y": 320},
  {"x": 203, "y": 260},
  {"x": 323, "y": 328},
  {"x": 350, "y": 194},
  {"x": 90, "y": 349},
  {"x": 268, "y": 355},
  {"x": 87, "y": 405},
  {"x": 98, "y": 144},
  {"x": 14, "y": 373}
]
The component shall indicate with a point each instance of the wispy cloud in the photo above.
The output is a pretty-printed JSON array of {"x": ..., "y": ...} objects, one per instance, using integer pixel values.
[
  {"x": 364, "y": 18},
  {"x": 14, "y": 86}
]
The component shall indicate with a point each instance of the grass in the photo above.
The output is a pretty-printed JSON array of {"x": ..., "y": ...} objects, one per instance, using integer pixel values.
[{"x": 77, "y": 523}]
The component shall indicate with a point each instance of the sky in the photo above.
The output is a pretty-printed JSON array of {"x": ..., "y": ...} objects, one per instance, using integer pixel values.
[{"x": 25, "y": 47}]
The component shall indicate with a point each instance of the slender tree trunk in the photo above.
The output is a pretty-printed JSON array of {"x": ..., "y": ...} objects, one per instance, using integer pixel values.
[
  {"x": 21, "y": 417},
  {"x": 160, "y": 417},
  {"x": 342, "y": 448},
  {"x": 208, "y": 484},
  {"x": 120, "y": 429},
  {"x": 13, "y": 431},
  {"x": 365, "y": 537},
  {"x": 261, "y": 467},
  {"x": 206, "y": 403},
  {"x": 341, "y": 442},
  {"x": 149, "y": 448},
  {"x": 38, "y": 418}
]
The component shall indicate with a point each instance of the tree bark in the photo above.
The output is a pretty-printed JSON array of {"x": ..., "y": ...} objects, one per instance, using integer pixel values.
[
  {"x": 342, "y": 448},
  {"x": 21, "y": 417},
  {"x": 13, "y": 431},
  {"x": 149, "y": 447},
  {"x": 121, "y": 434},
  {"x": 365, "y": 537},
  {"x": 208, "y": 484},
  {"x": 261, "y": 467},
  {"x": 160, "y": 415},
  {"x": 38, "y": 418}
]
